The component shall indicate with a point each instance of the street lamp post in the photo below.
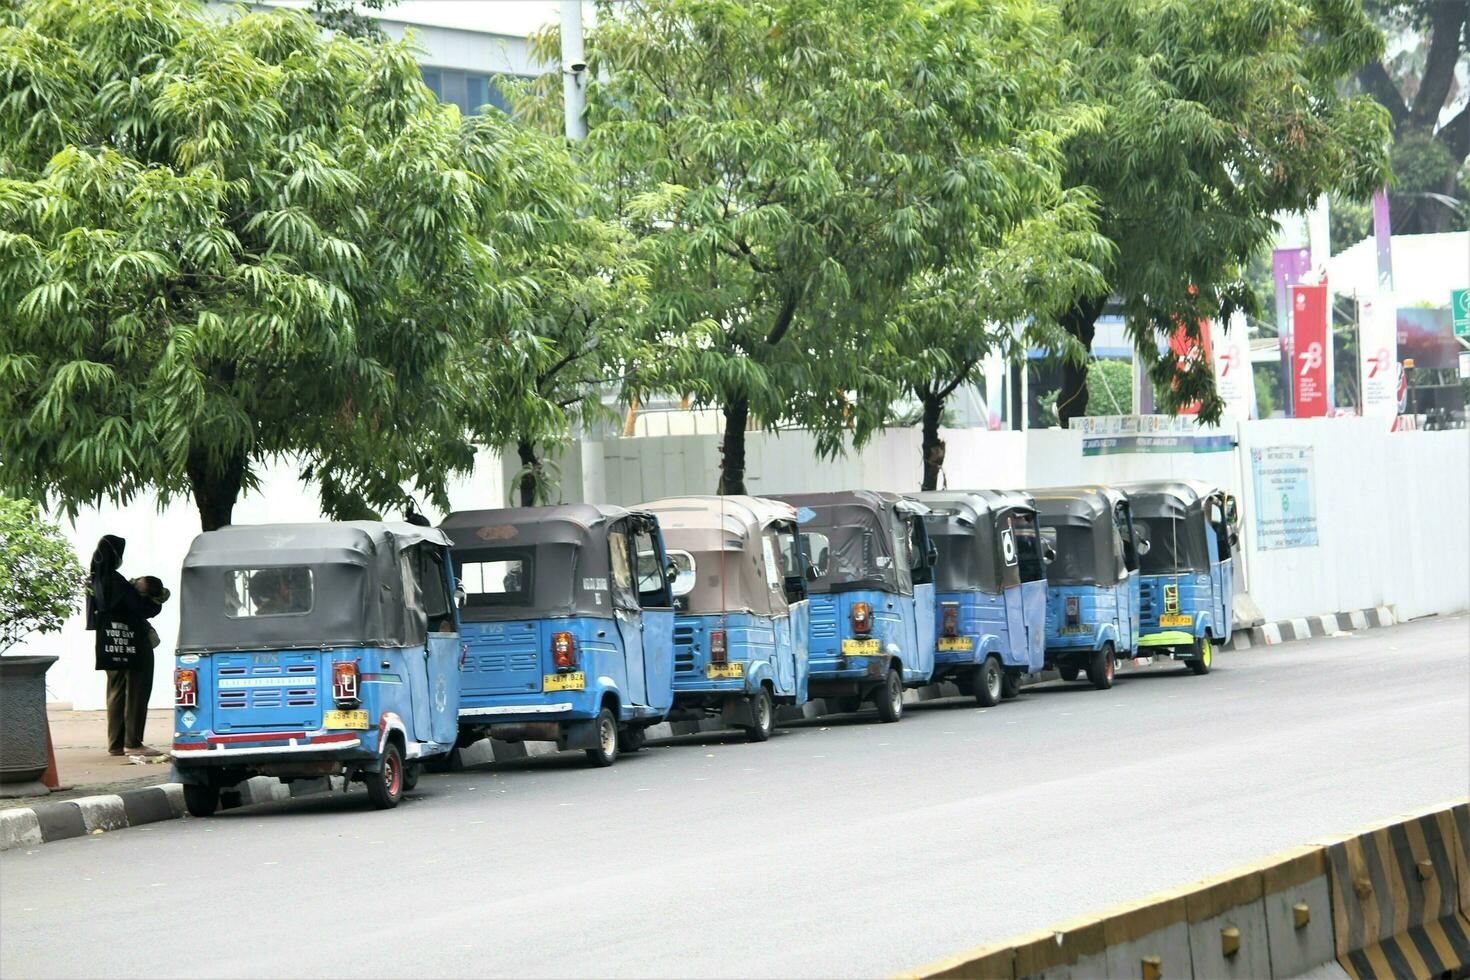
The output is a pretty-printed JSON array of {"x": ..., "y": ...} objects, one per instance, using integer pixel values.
[{"x": 573, "y": 68}]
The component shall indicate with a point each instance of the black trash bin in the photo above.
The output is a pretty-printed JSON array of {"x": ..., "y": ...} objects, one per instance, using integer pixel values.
[{"x": 23, "y": 729}]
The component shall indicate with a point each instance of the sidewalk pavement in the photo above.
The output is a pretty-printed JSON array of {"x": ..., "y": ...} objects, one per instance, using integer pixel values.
[{"x": 83, "y": 767}]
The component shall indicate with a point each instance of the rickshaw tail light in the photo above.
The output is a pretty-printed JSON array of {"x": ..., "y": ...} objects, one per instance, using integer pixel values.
[
  {"x": 344, "y": 682},
  {"x": 862, "y": 617},
  {"x": 1073, "y": 609},
  {"x": 186, "y": 687},
  {"x": 563, "y": 651},
  {"x": 717, "y": 650},
  {"x": 951, "y": 619}
]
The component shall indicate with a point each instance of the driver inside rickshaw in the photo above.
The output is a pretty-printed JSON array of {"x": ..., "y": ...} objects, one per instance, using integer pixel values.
[{"x": 279, "y": 591}]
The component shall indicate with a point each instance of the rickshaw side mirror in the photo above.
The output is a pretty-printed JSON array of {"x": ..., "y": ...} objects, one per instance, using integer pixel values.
[
  {"x": 811, "y": 572},
  {"x": 459, "y": 597},
  {"x": 671, "y": 572},
  {"x": 1048, "y": 553},
  {"x": 1143, "y": 546},
  {"x": 1232, "y": 510}
]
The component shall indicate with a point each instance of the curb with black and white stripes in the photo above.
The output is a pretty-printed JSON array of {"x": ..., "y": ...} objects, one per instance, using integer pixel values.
[
  {"x": 1306, "y": 627},
  {"x": 45, "y": 822}
]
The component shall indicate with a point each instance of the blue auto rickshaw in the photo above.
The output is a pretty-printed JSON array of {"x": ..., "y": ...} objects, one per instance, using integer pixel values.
[
  {"x": 568, "y": 624},
  {"x": 1186, "y": 585},
  {"x": 741, "y": 613},
  {"x": 309, "y": 650},
  {"x": 990, "y": 586},
  {"x": 872, "y": 596},
  {"x": 1092, "y": 583}
]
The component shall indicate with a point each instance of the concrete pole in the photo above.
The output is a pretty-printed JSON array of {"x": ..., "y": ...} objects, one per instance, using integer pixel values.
[{"x": 573, "y": 69}]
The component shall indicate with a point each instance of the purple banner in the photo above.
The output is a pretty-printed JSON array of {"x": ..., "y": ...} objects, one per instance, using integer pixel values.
[
  {"x": 1383, "y": 241},
  {"x": 1288, "y": 265}
]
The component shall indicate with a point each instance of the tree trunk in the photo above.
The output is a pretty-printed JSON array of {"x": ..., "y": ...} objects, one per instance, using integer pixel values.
[
  {"x": 933, "y": 446},
  {"x": 216, "y": 487},
  {"x": 531, "y": 467},
  {"x": 732, "y": 451},
  {"x": 1081, "y": 322}
]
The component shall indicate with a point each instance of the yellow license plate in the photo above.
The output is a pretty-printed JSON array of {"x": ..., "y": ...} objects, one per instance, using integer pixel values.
[
  {"x": 719, "y": 671},
  {"x": 575, "y": 681},
  {"x": 1070, "y": 630},
  {"x": 345, "y": 719},
  {"x": 956, "y": 643},
  {"x": 1176, "y": 620},
  {"x": 859, "y": 648}
]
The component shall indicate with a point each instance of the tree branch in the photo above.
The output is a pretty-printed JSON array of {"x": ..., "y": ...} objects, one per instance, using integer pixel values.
[
  {"x": 1375, "y": 79},
  {"x": 784, "y": 316},
  {"x": 959, "y": 377},
  {"x": 1455, "y": 134},
  {"x": 1439, "y": 65}
]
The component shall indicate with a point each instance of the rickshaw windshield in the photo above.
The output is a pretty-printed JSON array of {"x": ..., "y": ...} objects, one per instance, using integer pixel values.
[
  {"x": 279, "y": 591},
  {"x": 501, "y": 577}
]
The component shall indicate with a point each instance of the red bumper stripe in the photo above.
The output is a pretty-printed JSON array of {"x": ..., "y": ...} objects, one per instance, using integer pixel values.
[{"x": 301, "y": 737}]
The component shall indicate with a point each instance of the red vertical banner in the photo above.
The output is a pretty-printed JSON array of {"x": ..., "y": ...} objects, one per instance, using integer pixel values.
[
  {"x": 1187, "y": 350},
  {"x": 1309, "y": 345}
]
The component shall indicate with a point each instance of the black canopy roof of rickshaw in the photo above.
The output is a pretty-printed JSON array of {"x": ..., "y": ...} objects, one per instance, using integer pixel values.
[
  {"x": 359, "y": 596},
  {"x": 566, "y": 545},
  {"x": 847, "y": 518},
  {"x": 967, "y": 522},
  {"x": 1089, "y": 509},
  {"x": 1175, "y": 499}
]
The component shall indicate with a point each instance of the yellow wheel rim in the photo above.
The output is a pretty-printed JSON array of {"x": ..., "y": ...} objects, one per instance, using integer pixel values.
[{"x": 1205, "y": 654}]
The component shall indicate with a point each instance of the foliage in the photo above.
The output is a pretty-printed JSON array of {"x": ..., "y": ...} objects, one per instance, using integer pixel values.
[
  {"x": 40, "y": 578},
  {"x": 234, "y": 239},
  {"x": 1212, "y": 115},
  {"x": 343, "y": 17},
  {"x": 1416, "y": 85},
  {"x": 1109, "y": 391},
  {"x": 1265, "y": 381},
  {"x": 789, "y": 165}
]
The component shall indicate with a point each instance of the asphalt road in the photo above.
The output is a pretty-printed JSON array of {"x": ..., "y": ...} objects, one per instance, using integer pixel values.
[{"x": 844, "y": 847}]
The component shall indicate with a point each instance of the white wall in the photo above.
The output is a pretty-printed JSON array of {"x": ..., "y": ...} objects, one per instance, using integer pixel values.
[
  {"x": 1393, "y": 509},
  {"x": 156, "y": 543}
]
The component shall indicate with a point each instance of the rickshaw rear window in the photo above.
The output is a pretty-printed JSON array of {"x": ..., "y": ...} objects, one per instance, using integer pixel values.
[
  {"x": 1075, "y": 560},
  {"x": 818, "y": 550},
  {"x": 279, "y": 591},
  {"x": 506, "y": 582}
]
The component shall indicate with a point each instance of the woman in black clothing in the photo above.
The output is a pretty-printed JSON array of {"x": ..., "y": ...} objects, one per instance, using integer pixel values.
[{"x": 119, "y": 614}]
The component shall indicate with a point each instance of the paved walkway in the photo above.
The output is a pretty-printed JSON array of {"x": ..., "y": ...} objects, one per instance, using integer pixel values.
[{"x": 83, "y": 765}]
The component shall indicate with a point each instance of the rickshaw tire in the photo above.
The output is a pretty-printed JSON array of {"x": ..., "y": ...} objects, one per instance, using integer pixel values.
[
  {"x": 846, "y": 704},
  {"x": 1010, "y": 686},
  {"x": 201, "y": 800},
  {"x": 411, "y": 773},
  {"x": 606, "y": 752},
  {"x": 631, "y": 738},
  {"x": 385, "y": 787},
  {"x": 889, "y": 703},
  {"x": 1101, "y": 667},
  {"x": 1201, "y": 662},
  {"x": 761, "y": 732},
  {"x": 986, "y": 694},
  {"x": 1069, "y": 672}
]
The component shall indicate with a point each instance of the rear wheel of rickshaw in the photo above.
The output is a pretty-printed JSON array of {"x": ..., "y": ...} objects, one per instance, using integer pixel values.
[
  {"x": 632, "y": 738},
  {"x": 845, "y": 704},
  {"x": 1069, "y": 672},
  {"x": 411, "y": 773},
  {"x": 201, "y": 800},
  {"x": 989, "y": 679},
  {"x": 1203, "y": 657},
  {"x": 606, "y": 751},
  {"x": 888, "y": 698},
  {"x": 1010, "y": 685},
  {"x": 1100, "y": 670},
  {"x": 385, "y": 787},
  {"x": 763, "y": 710}
]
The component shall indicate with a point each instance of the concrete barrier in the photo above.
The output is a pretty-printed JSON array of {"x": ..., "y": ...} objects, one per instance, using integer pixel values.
[{"x": 1388, "y": 902}]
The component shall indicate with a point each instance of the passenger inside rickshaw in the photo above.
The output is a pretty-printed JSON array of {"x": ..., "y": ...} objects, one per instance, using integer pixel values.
[{"x": 280, "y": 591}]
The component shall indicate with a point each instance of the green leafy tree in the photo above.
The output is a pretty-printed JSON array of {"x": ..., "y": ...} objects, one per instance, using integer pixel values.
[
  {"x": 1212, "y": 115},
  {"x": 40, "y": 577},
  {"x": 789, "y": 165},
  {"x": 1002, "y": 299},
  {"x": 227, "y": 240},
  {"x": 344, "y": 17},
  {"x": 1417, "y": 84}
]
